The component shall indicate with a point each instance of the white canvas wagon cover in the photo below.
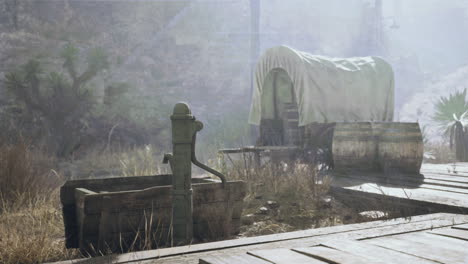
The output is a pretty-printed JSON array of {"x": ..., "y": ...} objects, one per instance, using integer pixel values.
[{"x": 326, "y": 89}]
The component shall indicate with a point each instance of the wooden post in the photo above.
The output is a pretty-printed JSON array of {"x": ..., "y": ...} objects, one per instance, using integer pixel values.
[{"x": 184, "y": 127}]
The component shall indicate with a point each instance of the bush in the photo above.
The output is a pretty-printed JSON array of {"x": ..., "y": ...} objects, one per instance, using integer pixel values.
[{"x": 60, "y": 102}]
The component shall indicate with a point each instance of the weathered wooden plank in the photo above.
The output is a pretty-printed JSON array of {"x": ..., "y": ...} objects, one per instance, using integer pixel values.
[
  {"x": 284, "y": 256},
  {"x": 464, "y": 227},
  {"x": 240, "y": 150},
  {"x": 161, "y": 196},
  {"x": 446, "y": 183},
  {"x": 236, "y": 259},
  {"x": 114, "y": 184},
  {"x": 437, "y": 248},
  {"x": 411, "y": 181},
  {"x": 335, "y": 256},
  {"x": 392, "y": 190},
  {"x": 406, "y": 182},
  {"x": 132, "y": 222},
  {"x": 446, "y": 178},
  {"x": 452, "y": 232},
  {"x": 303, "y": 238},
  {"x": 459, "y": 171},
  {"x": 111, "y": 184},
  {"x": 375, "y": 253},
  {"x": 457, "y": 166},
  {"x": 129, "y": 210},
  {"x": 420, "y": 194},
  {"x": 315, "y": 240}
]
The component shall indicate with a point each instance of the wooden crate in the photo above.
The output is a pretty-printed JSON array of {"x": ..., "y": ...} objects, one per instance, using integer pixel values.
[{"x": 120, "y": 213}]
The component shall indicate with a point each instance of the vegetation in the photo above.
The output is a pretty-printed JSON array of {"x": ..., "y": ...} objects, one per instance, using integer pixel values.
[
  {"x": 283, "y": 197},
  {"x": 449, "y": 108},
  {"x": 59, "y": 104},
  {"x": 24, "y": 175},
  {"x": 33, "y": 199},
  {"x": 450, "y": 115},
  {"x": 62, "y": 109},
  {"x": 30, "y": 217}
]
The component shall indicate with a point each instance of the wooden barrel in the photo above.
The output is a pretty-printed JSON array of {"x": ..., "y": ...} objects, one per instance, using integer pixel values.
[
  {"x": 354, "y": 146},
  {"x": 400, "y": 147}
]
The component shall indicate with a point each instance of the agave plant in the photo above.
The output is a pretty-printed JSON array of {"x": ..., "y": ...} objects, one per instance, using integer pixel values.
[
  {"x": 458, "y": 137},
  {"x": 448, "y": 107},
  {"x": 451, "y": 116}
]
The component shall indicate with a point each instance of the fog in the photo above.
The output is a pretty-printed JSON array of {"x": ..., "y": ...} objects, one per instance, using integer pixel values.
[
  {"x": 204, "y": 52},
  {"x": 316, "y": 113}
]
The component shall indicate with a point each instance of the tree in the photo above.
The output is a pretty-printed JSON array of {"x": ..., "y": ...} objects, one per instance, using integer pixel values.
[{"x": 61, "y": 103}]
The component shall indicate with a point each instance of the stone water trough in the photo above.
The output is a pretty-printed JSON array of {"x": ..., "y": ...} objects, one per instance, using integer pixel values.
[{"x": 130, "y": 213}]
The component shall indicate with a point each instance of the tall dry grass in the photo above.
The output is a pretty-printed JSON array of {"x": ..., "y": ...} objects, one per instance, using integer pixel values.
[
  {"x": 33, "y": 233},
  {"x": 30, "y": 216},
  {"x": 277, "y": 178},
  {"x": 298, "y": 188},
  {"x": 118, "y": 162},
  {"x": 25, "y": 174}
]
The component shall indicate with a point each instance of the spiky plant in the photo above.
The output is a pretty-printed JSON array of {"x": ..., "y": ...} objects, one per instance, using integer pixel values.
[
  {"x": 450, "y": 115},
  {"x": 448, "y": 107}
]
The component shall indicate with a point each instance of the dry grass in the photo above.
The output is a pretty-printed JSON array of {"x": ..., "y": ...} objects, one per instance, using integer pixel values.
[
  {"x": 438, "y": 153},
  {"x": 299, "y": 193},
  {"x": 30, "y": 219},
  {"x": 118, "y": 162},
  {"x": 34, "y": 232},
  {"x": 25, "y": 174}
]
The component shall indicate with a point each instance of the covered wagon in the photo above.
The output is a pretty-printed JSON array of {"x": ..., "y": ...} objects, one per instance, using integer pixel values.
[{"x": 302, "y": 99}]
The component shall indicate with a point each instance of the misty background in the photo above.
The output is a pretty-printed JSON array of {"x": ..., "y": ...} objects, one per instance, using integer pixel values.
[{"x": 200, "y": 52}]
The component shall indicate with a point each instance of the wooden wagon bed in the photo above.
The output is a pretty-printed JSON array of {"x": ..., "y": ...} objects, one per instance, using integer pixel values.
[
  {"x": 434, "y": 238},
  {"x": 439, "y": 188}
]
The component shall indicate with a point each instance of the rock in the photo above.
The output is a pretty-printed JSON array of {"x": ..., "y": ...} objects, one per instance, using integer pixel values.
[
  {"x": 263, "y": 210},
  {"x": 272, "y": 204},
  {"x": 248, "y": 219}
]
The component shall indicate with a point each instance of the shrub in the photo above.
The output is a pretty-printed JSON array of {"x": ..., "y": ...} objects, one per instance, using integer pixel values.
[{"x": 61, "y": 102}]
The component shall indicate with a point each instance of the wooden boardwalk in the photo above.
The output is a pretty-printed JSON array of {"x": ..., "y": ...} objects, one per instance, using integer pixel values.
[
  {"x": 439, "y": 188},
  {"x": 429, "y": 238},
  {"x": 442, "y": 245},
  {"x": 434, "y": 238}
]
